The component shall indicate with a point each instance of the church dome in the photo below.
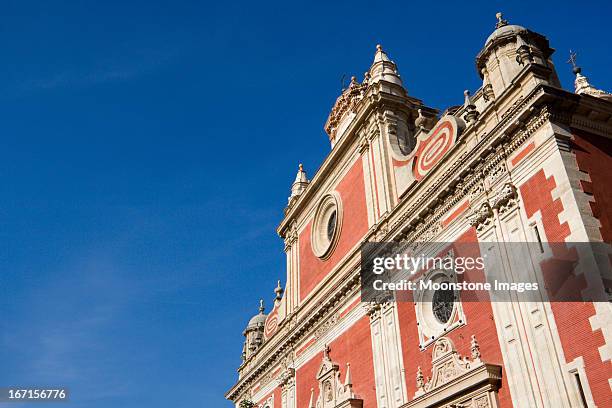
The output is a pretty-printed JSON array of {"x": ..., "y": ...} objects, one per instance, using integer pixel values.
[
  {"x": 505, "y": 31},
  {"x": 258, "y": 320}
]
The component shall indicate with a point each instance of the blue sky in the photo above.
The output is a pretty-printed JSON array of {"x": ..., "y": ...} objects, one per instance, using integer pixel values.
[{"x": 147, "y": 154}]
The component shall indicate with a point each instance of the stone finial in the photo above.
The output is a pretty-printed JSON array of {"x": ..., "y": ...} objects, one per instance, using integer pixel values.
[
  {"x": 383, "y": 68},
  {"x": 262, "y": 308},
  {"x": 311, "y": 403},
  {"x": 348, "y": 380},
  {"x": 300, "y": 183},
  {"x": 278, "y": 290},
  {"x": 500, "y": 20},
  {"x": 471, "y": 114},
  {"x": 366, "y": 77},
  {"x": 467, "y": 99},
  {"x": 380, "y": 54}
]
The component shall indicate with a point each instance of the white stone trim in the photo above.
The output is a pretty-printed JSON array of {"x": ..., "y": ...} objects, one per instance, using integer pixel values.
[
  {"x": 387, "y": 355},
  {"x": 576, "y": 367}
]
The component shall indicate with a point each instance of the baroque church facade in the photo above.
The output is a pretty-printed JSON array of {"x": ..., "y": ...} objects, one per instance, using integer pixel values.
[{"x": 522, "y": 160}]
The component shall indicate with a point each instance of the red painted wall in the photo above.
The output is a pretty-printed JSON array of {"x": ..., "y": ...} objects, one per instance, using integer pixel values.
[
  {"x": 354, "y": 346},
  {"x": 572, "y": 318},
  {"x": 594, "y": 156},
  {"x": 354, "y": 226}
]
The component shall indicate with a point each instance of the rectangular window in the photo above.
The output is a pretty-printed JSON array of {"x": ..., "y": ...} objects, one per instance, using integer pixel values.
[{"x": 580, "y": 390}]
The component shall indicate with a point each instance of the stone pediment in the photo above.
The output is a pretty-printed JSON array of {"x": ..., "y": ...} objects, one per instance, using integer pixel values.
[
  {"x": 457, "y": 381},
  {"x": 326, "y": 367},
  {"x": 333, "y": 393},
  {"x": 447, "y": 364}
]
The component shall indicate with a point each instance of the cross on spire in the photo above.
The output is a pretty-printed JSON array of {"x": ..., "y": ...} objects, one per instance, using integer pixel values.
[
  {"x": 326, "y": 350},
  {"x": 572, "y": 58},
  {"x": 572, "y": 61}
]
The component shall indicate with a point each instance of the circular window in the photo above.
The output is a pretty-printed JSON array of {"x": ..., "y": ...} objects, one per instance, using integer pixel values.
[
  {"x": 326, "y": 226},
  {"x": 442, "y": 304},
  {"x": 438, "y": 309}
]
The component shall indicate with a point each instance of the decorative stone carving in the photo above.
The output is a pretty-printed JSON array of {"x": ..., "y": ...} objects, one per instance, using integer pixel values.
[
  {"x": 372, "y": 309},
  {"x": 458, "y": 381},
  {"x": 328, "y": 324},
  {"x": 505, "y": 199},
  {"x": 523, "y": 51},
  {"x": 476, "y": 189},
  {"x": 287, "y": 376},
  {"x": 446, "y": 365},
  {"x": 487, "y": 93},
  {"x": 364, "y": 145},
  {"x": 246, "y": 403},
  {"x": 291, "y": 236},
  {"x": 496, "y": 170},
  {"x": 420, "y": 381},
  {"x": 375, "y": 308},
  {"x": 345, "y": 103},
  {"x": 482, "y": 217},
  {"x": 482, "y": 402},
  {"x": 333, "y": 393},
  {"x": 423, "y": 123}
]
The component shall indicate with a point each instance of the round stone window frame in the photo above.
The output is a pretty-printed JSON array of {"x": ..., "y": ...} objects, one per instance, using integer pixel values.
[
  {"x": 322, "y": 246},
  {"x": 430, "y": 328}
]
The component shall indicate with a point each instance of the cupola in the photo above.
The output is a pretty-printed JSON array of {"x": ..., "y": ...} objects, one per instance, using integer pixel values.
[
  {"x": 254, "y": 332},
  {"x": 509, "y": 50}
]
